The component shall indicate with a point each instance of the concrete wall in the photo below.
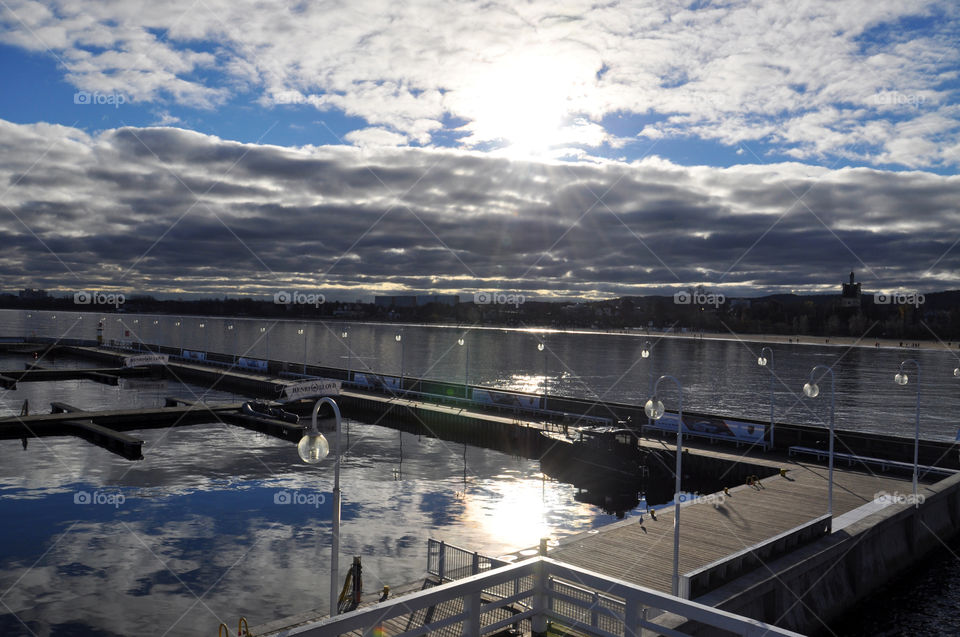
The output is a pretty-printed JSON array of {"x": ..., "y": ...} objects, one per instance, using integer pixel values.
[{"x": 808, "y": 589}]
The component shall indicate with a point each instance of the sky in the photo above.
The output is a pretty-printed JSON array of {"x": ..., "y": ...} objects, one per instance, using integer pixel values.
[{"x": 559, "y": 150}]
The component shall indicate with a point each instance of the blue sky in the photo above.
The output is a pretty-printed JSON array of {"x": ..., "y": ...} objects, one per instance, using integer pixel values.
[{"x": 647, "y": 95}]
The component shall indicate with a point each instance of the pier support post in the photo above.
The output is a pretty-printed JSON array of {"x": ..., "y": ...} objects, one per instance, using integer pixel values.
[{"x": 539, "y": 619}]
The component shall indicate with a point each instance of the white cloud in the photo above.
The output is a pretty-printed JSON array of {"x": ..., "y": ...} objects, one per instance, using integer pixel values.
[{"x": 804, "y": 76}]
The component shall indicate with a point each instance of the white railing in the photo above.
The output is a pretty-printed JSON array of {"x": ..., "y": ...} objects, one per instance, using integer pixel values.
[
  {"x": 449, "y": 562},
  {"x": 546, "y": 591}
]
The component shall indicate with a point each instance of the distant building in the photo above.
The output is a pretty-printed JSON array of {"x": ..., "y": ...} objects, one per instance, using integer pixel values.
[
  {"x": 441, "y": 299},
  {"x": 850, "y": 294},
  {"x": 33, "y": 294}
]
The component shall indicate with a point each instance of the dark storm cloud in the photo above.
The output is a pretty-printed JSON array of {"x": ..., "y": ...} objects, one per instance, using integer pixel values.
[{"x": 166, "y": 210}]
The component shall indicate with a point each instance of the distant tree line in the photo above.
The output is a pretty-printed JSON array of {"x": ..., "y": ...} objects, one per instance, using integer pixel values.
[{"x": 938, "y": 316}]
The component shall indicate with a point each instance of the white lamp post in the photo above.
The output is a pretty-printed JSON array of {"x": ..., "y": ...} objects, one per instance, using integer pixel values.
[
  {"x": 654, "y": 410},
  {"x": 344, "y": 334},
  {"x": 180, "y": 337},
  {"x": 303, "y": 333},
  {"x": 812, "y": 390},
  {"x": 902, "y": 379},
  {"x": 645, "y": 353},
  {"x": 466, "y": 373},
  {"x": 266, "y": 334},
  {"x": 313, "y": 448},
  {"x": 542, "y": 346},
  {"x": 205, "y": 348},
  {"x": 399, "y": 338},
  {"x": 767, "y": 361},
  {"x": 230, "y": 328}
]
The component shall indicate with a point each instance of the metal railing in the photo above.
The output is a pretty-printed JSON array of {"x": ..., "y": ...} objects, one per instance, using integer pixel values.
[
  {"x": 546, "y": 591},
  {"x": 449, "y": 562}
]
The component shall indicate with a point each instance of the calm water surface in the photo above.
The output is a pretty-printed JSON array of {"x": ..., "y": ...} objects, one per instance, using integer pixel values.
[{"x": 192, "y": 535}]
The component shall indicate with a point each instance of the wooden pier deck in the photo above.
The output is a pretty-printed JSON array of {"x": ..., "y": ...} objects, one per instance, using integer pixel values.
[{"x": 716, "y": 527}]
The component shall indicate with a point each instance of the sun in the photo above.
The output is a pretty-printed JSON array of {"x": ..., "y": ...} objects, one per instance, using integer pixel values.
[{"x": 520, "y": 105}]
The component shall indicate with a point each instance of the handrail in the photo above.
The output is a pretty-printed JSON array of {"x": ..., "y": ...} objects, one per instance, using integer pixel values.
[{"x": 532, "y": 578}]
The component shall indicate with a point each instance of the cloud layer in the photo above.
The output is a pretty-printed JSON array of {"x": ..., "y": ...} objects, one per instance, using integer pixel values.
[
  {"x": 861, "y": 81},
  {"x": 169, "y": 210}
]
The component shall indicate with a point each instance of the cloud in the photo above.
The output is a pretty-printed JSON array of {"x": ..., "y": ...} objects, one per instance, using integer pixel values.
[
  {"x": 872, "y": 81},
  {"x": 165, "y": 209}
]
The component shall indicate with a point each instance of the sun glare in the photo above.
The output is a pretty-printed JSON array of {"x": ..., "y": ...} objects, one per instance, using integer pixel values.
[{"x": 520, "y": 103}]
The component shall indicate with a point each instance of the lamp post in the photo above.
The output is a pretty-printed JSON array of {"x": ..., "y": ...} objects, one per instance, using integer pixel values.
[
  {"x": 812, "y": 390},
  {"x": 177, "y": 325},
  {"x": 344, "y": 334},
  {"x": 654, "y": 410},
  {"x": 542, "y": 346},
  {"x": 156, "y": 332},
  {"x": 206, "y": 350},
  {"x": 303, "y": 333},
  {"x": 313, "y": 448},
  {"x": 645, "y": 353},
  {"x": 230, "y": 329},
  {"x": 902, "y": 379},
  {"x": 264, "y": 331},
  {"x": 466, "y": 373},
  {"x": 399, "y": 338},
  {"x": 767, "y": 361}
]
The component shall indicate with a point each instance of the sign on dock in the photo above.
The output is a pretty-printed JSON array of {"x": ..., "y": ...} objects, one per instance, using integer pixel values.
[
  {"x": 312, "y": 389},
  {"x": 145, "y": 359}
]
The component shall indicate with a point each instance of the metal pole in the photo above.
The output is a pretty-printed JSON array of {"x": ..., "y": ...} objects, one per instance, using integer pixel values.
[
  {"x": 466, "y": 373},
  {"x": 304, "y": 351},
  {"x": 916, "y": 434},
  {"x": 335, "y": 542},
  {"x": 767, "y": 349},
  {"x": 676, "y": 495},
  {"x": 832, "y": 411}
]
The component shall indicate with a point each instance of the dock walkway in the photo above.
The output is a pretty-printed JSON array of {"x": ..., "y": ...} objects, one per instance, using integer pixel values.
[{"x": 717, "y": 526}]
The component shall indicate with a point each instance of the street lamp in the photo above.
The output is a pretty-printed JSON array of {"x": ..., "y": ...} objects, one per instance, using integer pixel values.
[
  {"x": 812, "y": 390},
  {"x": 901, "y": 379},
  {"x": 466, "y": 374},
  {"x": 205, "y": 335},
  {"x": 399, "y": 338},
  {"x": 645, "y": 353},
  {"x": 654, "y": 410},
  {"x": 177, "y": 325},
  {"x": 230, "y": 329},
  {"x": 264, "y": 331},
  {"x": 344, "y": 334},
  {"x": 156, "y": 332},
  {"x": 303, "y": 333},
  {"x": 543, "y": 348},
  {"x": 767, "y": 361},
  {"x": 313, "y": 448}
]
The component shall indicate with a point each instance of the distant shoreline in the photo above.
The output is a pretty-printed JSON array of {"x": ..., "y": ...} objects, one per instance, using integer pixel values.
[{"x": 835, "y": 341}]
